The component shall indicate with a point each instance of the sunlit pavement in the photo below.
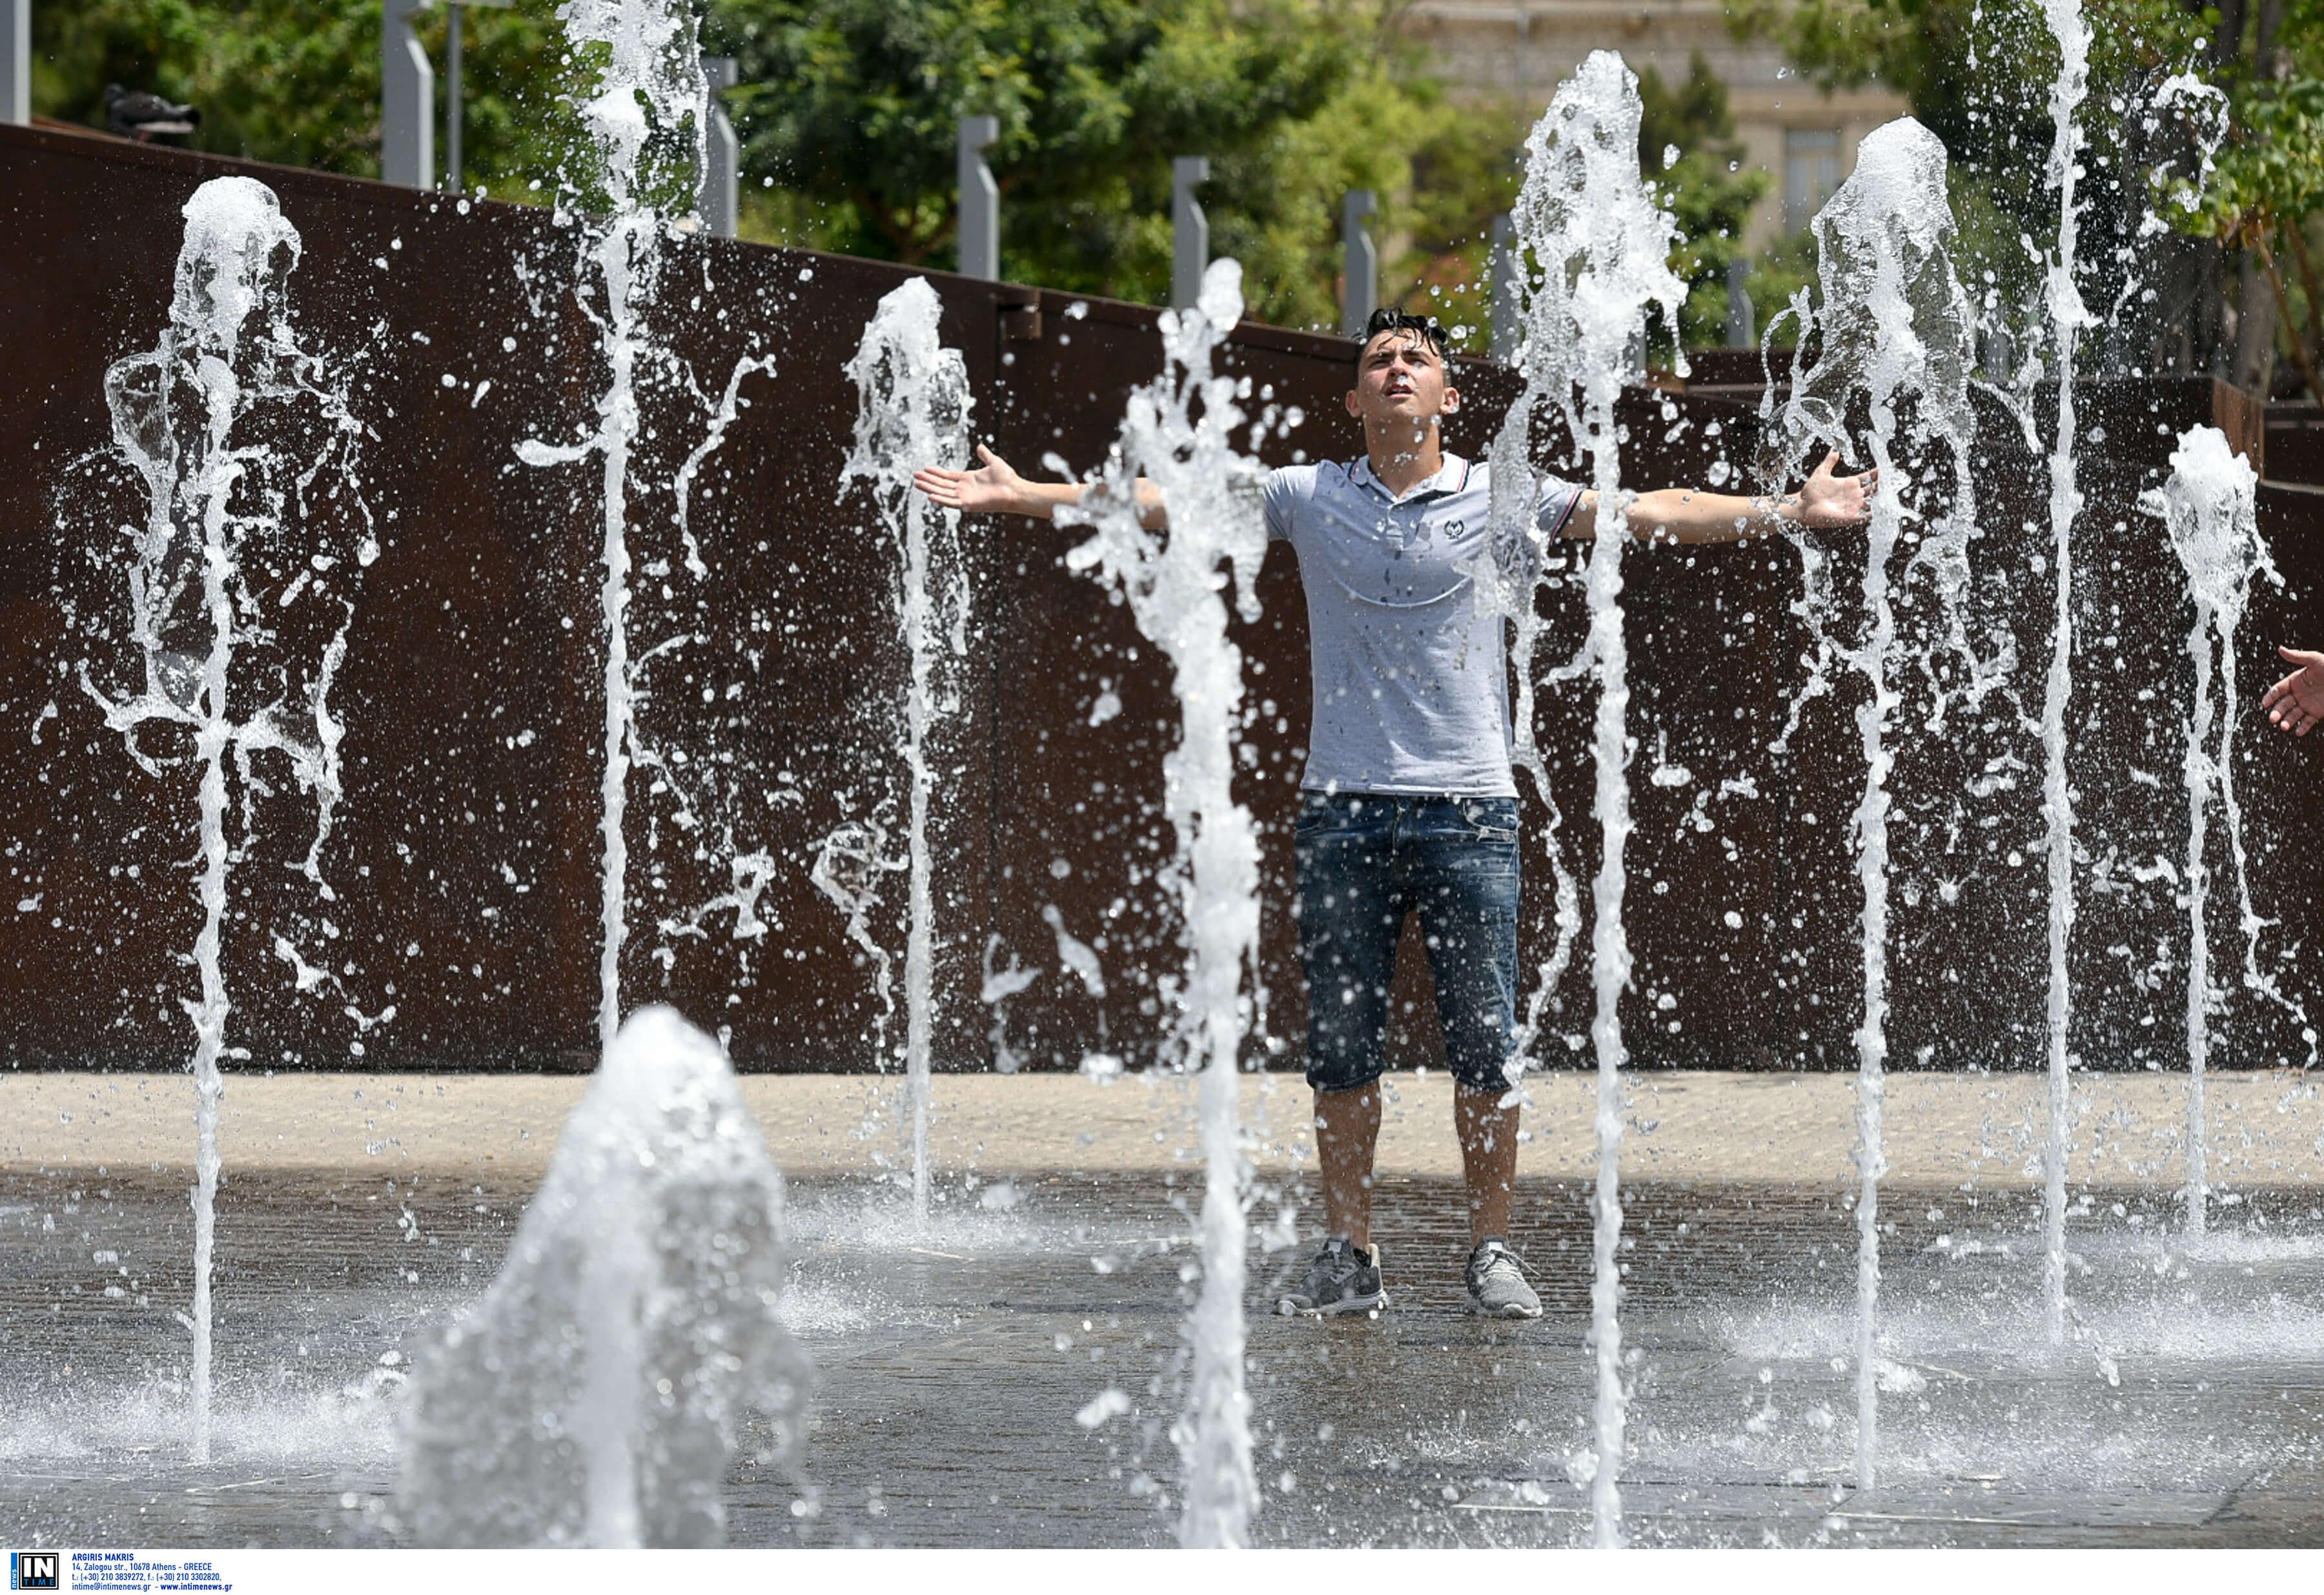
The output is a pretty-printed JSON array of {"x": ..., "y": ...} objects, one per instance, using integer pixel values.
[{"x": 964, "y": 1365}]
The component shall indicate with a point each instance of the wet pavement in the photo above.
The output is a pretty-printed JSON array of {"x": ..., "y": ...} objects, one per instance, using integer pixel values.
[{"x": 960, "y": 1368}]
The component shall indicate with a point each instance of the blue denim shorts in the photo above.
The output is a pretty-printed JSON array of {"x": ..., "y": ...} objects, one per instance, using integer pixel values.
[{"x": 1365, "y": 859}]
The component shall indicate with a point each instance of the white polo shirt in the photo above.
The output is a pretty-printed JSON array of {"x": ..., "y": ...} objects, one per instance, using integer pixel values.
[{"x": 1411, "y": 677}]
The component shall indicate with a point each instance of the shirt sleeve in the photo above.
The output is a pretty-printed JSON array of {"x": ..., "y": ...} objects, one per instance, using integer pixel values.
[
  {"x": 1283, "y": 488},
  {"x": 1554, "y": 502},
  {"x": 1521, "y": 551}
]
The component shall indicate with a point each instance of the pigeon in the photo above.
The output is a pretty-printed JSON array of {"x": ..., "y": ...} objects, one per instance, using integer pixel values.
[{"x": 145, "y": 116}]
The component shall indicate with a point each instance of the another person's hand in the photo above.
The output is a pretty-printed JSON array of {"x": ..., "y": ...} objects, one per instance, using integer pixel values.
[
  {"x": 1826, "y": 500},
  {"x": 993, "y": 489},
  {"x": 2296, "y": 702}
]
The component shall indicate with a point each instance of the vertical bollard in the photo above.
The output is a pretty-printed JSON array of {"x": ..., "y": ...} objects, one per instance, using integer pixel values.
[
  {"x": 720, "y": 200},
  {"x": 17, "y": 61},
  {"x": 1508, "y": 307},
  {"x": 454, "y": 98},
  {"x": 1998, "y": 354},
  {"x": 454, "y": 101},
  {"x": 1190, "y": 231},
  {"x": 1361, "y": 271},
  {"x": 407, "y": 100},
  {"x": 980, "y": 201},
  {"x": 1742, "y": 325}
]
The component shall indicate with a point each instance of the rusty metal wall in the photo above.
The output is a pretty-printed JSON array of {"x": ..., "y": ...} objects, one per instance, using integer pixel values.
[{"x": 464, "y": 868}]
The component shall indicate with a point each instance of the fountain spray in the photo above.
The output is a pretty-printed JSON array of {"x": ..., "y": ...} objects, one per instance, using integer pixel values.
[
  {"x": 2210, "y": 507},
  {"x": 913, "y": 411},
  {"x": 187, "y": 417},
  {"x": 1600, "y": 246},
  {"x": 652, "y": 93},
  {"x": 593, "y": 1396},
  {"x": 1507, "y": 578},
  {"x": 1175, "y": 434},
  {"x": 1897, "y": 329},
  {"x": 2068, "y": 316}
]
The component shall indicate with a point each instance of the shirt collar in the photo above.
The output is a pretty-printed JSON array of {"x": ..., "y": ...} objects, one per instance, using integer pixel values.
[{"x": 1450, "y": 477}]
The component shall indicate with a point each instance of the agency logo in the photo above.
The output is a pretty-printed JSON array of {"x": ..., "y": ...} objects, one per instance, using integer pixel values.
[{"x": 34, "y": 1569}]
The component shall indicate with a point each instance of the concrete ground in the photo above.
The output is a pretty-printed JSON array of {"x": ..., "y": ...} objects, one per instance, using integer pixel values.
[
  {"x": 1780, "y": 1129},
  {"x": 963, "y": 1366}
]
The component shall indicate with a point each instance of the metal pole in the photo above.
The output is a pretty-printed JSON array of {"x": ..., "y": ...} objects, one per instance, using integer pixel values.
[
  {"x": 980, "y": 201},
  {"x": 1360, "y": 296},
  {"x": 1190, "y": 230},
  {"x": 1742, "y": 328},
  {"x": 1507, "y": 309},
  {"x": 17, "y": 61},
  {"x": 452, "y": 100},
  {"x": 720, "y": 201},
  {"x": 407, "y": 100},
  {"x": 1999, "y": 353}
]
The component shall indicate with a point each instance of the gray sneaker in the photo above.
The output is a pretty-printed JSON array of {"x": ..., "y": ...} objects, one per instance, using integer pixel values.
[
  {"x": 1496, "y": 1282},
  {"x": 1340, "y": 1280}
]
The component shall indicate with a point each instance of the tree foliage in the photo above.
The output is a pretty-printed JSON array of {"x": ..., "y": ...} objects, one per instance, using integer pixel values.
[
  {"x": 298, "y": 81},
  {"x": 1467, "y": 164},
  {"x": 1465, "y": 170},
  {"x": 850, "y": 113},
  {"x": 2266, "y": 195},
  {"x": 1687, "y": 146},
  {"x": 1979, "y": 75},
  {"x": 849, "y": 109}
]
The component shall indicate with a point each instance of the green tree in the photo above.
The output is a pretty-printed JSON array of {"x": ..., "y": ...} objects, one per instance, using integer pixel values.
[
  {"x": 298, "y": 83},
  {"x": 1784, "y": 266},
  {"x": 1979, "y": 76},
  {"x": 1465, "y": 169},
  {"x": 1687, "y": 146},
  {"x": 850, "y": 113},
  {"x": 2266, "y": 196},
  {"x": 1467, "y": 164},
  {"x": 849, "y": 119},
  {"x": 850, "y": 107}
]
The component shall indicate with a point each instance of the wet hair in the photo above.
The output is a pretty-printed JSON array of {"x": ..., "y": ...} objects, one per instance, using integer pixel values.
[{"x": 1388, "y": 319}]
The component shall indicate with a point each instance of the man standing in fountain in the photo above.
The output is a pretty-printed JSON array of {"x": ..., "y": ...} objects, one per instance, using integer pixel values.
[{"x": 1407, "y": 802}]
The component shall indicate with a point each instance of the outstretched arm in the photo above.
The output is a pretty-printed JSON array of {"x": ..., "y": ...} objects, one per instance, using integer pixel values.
[
  {"x": 2296, "y": 702},
  {"x": 994, "y": 488},
  {"x": 1690, "y": 515}
]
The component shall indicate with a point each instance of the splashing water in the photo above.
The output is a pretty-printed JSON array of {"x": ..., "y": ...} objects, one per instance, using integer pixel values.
[
  {"x": 713, "y": 437},
  {"x": 1078, "y": 956},
  {"x": 753, "y": 873},
  {"x": 1601, "y": 245},
  {"x": 198, "y": 419},
  {"x": 848, "y": 864},
  {"x": 646, "y": 117},
  {"x": 2208, "y": 505},
  {"x": 913, "y": 411},
  {"x": 2068, "y": 316},
  {"x": 1895, "y": 328},
  {"x": 1511, "y": 588},
  {"x": 1173, "y": 586},
  {"x": 594, "y": 1395},
  {"x": 1000, "y": 985}
]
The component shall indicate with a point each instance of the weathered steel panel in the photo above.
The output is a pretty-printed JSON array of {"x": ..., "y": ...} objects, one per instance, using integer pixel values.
[{"x": 464, "y": 864}]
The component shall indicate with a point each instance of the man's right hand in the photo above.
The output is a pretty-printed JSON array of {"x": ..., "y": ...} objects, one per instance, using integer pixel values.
[
  {"x": 993, "y": 489},
  {"x": 2296, "y": 702}
]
